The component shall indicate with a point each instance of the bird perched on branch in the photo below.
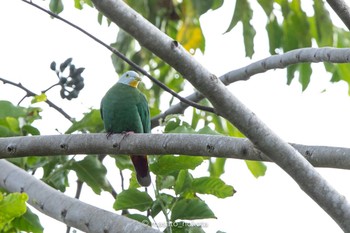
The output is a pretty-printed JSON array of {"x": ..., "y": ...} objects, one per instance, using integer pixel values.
[{"x": 124, "y": 109}]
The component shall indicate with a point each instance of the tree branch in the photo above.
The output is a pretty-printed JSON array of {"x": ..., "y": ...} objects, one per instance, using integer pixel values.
[
  {"x": 159, "y": 144},
  {"x": 30, "y": 93},
  {"x": 228, "y": 106},
  {"x": 342, "y": 10},
  {"x": 314, "y": 55},
  {"x": 68, "y": 210}
]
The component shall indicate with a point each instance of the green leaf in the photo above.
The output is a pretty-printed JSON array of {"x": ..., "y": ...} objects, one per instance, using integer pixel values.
[
  {"x": 212, "y": 185},
  {"x": 207, "y": 130},
  {"x": 180, "y": 227},
  {"x": 191, "y": 209},
  {"x": 183, "y": 182},
  {"x": 11, "y": 206},
  {"x": 133, "y": 199},
  {"x": 91, "y": 122},
  {"x": 39, "y": 98},
  {"x": 305, "y": 72},
  {"x": 91, "y": 171},
  {"x": 183, "y": 129},
  {"x": 267, "y": 5},
  {"x": 244, "y": 13},
  {"x": 168, "y": 164},
  {"x": 165, "y": 182},
  {"x": 28, "y": 129},
  {"x": 7, "y": 109},
  {"x": 28, "y": 222},
  {"x": 275, "y": 34},
  {"x": 202, "y": 7},
  {"x": 324, "y": 24},
  {"x": 257, "y": 168},
  {"x": 56, "y": 6},
  {"x": 217, "y": 167},
  {"x": 162, "y": 200},
  {"x": 123, "y": 162},
  {"x": 140, "y": 218},
  {"x": 56, "y": 172}
]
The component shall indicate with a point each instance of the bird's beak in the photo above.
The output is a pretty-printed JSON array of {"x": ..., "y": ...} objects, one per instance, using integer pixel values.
[{"x": 135, "y": 82}]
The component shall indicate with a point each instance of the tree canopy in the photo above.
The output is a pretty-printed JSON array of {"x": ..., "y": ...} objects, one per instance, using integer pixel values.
[{"x": 177, "y": 193}]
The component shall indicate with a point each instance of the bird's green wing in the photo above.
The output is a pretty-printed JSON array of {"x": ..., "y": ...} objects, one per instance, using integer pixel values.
[
  {"x": 101, "y": 111},
  {"x": 143, "y": 110}
]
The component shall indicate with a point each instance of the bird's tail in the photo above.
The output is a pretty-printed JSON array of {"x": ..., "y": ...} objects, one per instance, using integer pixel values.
[{"x": 141, "y": 168}]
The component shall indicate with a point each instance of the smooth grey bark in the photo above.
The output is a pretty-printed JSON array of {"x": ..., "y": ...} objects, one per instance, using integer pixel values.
[
  {"x": 229, "y": 107},
  {"x": 280, "y": 61},
  {"x": 342, "y": 10},
  {"x": 160, "y": 144},
  {"x": 68, "y": 210}
]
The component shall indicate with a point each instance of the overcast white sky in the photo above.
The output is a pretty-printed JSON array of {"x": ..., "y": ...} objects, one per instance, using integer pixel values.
[{"x": 30, "y": 40}]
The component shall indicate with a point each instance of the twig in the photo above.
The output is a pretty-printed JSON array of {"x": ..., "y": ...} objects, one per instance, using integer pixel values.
[
  {"x": 29, "y": 93},
  {"x": 131, "y": 63}
]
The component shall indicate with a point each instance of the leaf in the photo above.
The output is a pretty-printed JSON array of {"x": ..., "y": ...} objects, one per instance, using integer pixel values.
[
  {"x": 191, "y": 37},
  {"x": 91, "y": 122},
  {"x": 39, "y": 98},
  {"x": 165, "y": 182},
  {"x": 133, "y": 199},
  {"x": 91, "y": 171},
  {"x": 305, "y": 72},
  {"x": 28, "y": 222},
  {"x": 217, "y": 167},
  {"x": 257, "y": 168},
  {"x": 180, "y": 227},
  {"x": 267, "y": 5},
  {"x": 28, "y": 129},
  {"x": 55, "y": 172},
  {"x": 191, "y": 209},
  {"x": 275, "y": 34},
  {"x": 162, "y": 200},
  {"x": 324, "y": 24},
  {"x": 201, "y": 7},
  {"x": 140, "y": 218},
  {"x": 7, "y": 109},
  {"x": 212, "y": 185},
  {"x": 11, "y": 206},
  {"x": 244, "y": 13},
  {"x": 183, "y": 182},
  {"x": 123, "y": 162},
  {"x": 56, "y": 6},
  {"x": 168, "y": 164}
]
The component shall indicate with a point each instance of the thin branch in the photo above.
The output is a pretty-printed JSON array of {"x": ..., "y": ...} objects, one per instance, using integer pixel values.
[
  {"x": 29, "y": 93},
  {"x": 131, "y": 63},
  {"x": 228, "y": 106},
  {"x": 342, "y": 10},
  {"x": 68, "y": 210},
  {"x": 159, "y": 144}
]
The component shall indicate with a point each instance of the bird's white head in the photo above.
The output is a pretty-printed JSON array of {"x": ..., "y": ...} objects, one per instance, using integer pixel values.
[{"x": 130, "y": 78}]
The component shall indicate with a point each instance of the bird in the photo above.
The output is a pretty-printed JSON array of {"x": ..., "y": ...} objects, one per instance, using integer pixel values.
[{"x": 124, "y": 109}]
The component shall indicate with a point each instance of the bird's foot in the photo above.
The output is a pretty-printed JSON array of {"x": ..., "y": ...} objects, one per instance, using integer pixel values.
[
  {"x": 127, "y": 133},
  {"x": 109, "y": 134}
]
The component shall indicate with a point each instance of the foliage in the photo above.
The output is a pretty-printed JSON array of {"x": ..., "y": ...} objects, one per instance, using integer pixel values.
[
  {"x": 177, "y": 192},
  {"x": 15, "y": 215}
]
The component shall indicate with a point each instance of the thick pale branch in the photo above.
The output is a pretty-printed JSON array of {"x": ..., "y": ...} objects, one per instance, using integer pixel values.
[
  {"x": 160, "y": 144},
  {"x": 342, "y": 10},
  {"x": 230, "y": 108},
  {"x": 68, "y": 210},
  {"x": 312, "y": 55}
]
